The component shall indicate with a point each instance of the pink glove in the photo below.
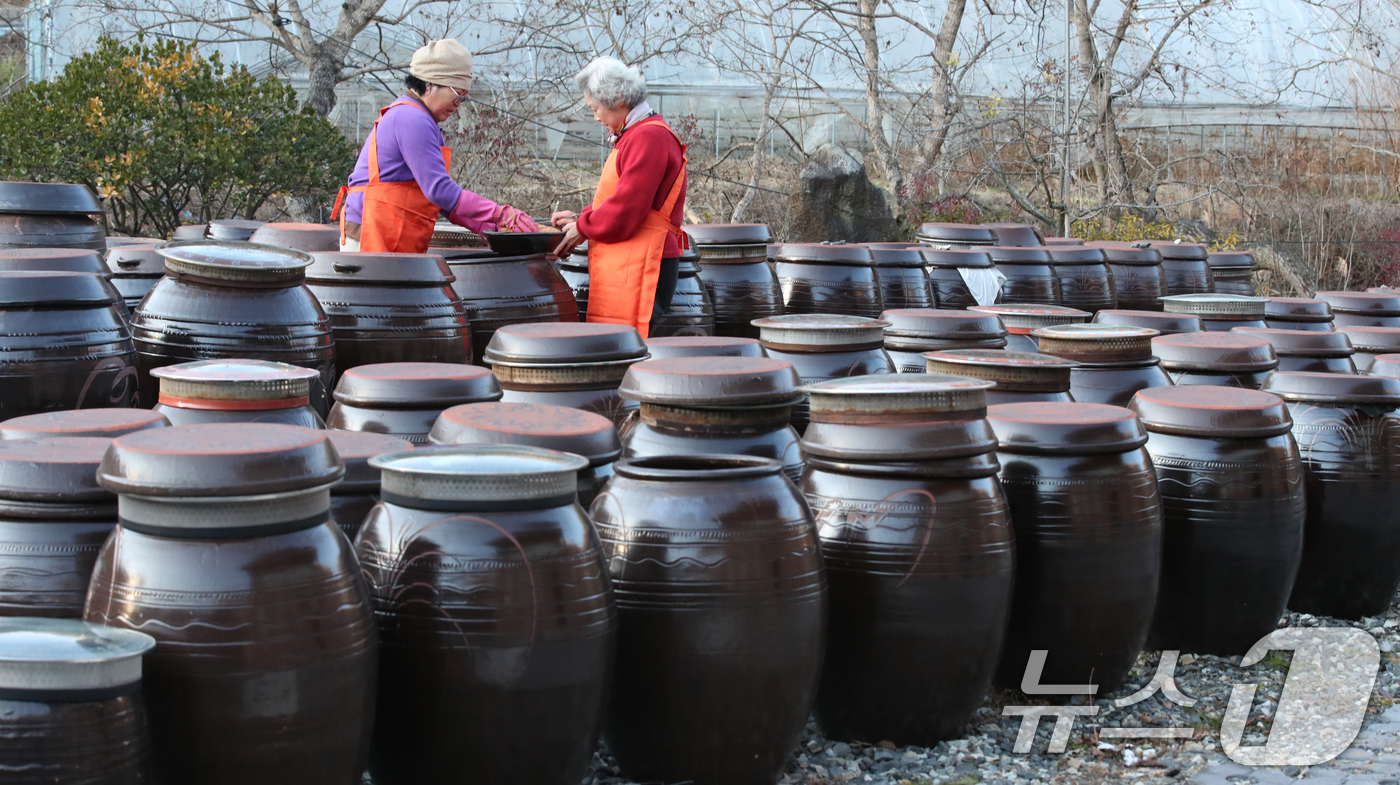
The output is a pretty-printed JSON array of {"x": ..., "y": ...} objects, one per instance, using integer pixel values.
[
  {"x": 511, "y": 219},
  {"x": 474, "y": 212}
]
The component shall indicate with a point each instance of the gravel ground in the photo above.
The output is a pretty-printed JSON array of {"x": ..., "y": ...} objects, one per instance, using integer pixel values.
[{"x": 984, "y": 754}]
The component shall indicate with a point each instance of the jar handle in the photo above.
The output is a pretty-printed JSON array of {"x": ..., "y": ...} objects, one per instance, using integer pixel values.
[{"x": 346, "y": 267}]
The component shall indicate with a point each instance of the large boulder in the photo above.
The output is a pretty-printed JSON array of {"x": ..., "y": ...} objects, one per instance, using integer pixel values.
[{"x": 836, "y": 201}]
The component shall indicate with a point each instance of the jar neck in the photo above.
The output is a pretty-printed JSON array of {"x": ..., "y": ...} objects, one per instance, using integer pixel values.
[{"x": 753, "y": 419}]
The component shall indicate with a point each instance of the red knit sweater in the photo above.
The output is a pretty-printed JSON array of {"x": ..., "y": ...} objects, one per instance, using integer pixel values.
[{"x": 648, "y": 163}]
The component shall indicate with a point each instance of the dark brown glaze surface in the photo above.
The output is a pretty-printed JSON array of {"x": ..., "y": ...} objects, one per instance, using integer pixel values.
[
  {"x": 691, "y": 311},
  {"x": 1029, "y": 282},
  {"x": 405, "y": 399},
  {"x": 1115, "y": 385},
  {"x": 353, "y": 497},
  {"x": 307, "y": 237},
  {"x": 760, "y": 431},
  {"x": 51, "y": 231},
  {"x": 820, "y": 366},
  {"x": 497, "y": 639},
  {"x": 956, "y": 233},
  {"x": 496, "y": 291},
  {"x": 741, "y": 293},
  {"x": 88, "y": 743},
  {"x": 574, "y": 271},
  {"x": 949, "y": 289},
  {"x": 721, "y": 599},
  {"x": 850, "y": 289},
  {"x": 1086, "y": 285},
  {"x": 1187, "y": 276},
  {"x": 904, "y": 287}
]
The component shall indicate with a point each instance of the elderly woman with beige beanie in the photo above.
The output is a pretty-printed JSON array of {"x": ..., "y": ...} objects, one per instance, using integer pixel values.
[{"x": 400, "y": 183}]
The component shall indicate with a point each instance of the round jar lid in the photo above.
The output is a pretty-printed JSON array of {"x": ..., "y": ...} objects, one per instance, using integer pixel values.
[
  {"x": 1387, "y": 365},
  {"x": 941, "y": 324},
  {"x": 952, "y": 258},
  {"x": 897, "y": 257},
  {"x": 957, "y": 233},
  {"x": 709, "y": 382},
  {"x": 895, "y": 396},
  {"x": 1182, "y": 251},
  {"x": 1164, "y": 323},
  {"x": 1374, "y": 340},
  {"x": 136, "y": 261},
  {"x": 1230, "y": 259},
  {"x": 819, "y": 332},
  {"x": 1021, "y": 319},
  {"x": 1224, "y": 307},
  {"x": 479, "y": 477},
  {"x": 232, "y": 228},
  {"x": 59, "y": 470},
  {"x": 1097, "y": 343},
  {"x": 355, "y": 448},
  {"x": 1307, "y": 386},
  {"x": 25, "y": 198},
  {"x": 233, "y": 385},
  {"x": 1075, "y": 428},
  {"x": 1077, "y": 254},
  {"x": 1002, "y": 254},
  {"x": 824, "y": 253},
  {"x": 235, "y": 262},
  {"x": 1012, "y": 371},
  {"x": 1301, "y": 343},
  {"x": 102, "y": 423},
  {"x": 1054, "y": 241},
  {"x": 1138, "y": 254},
  {"x": 68, "y": 660},
  {"x": 564, "y": 343},
  {"x": 222, "y": 459},
  {"x": 1210, "y": 410},
  {"x": 68, "y": 260},
  {"x": 416, "y": 385},
  {"x": 301, "y": 236},
  {"x": 1367, "y": 303},
  {"x": 1297, "y": 309},
  {"x": 1224, "y": 352},
  {"x": 1013, "y": 234},
  {"x": 729, "y": 234},
  {"x": 44, "y": 288},
  {"x": 703, "y": 346},
  {"x": 403, "y": 269},
  {"x": 532, "y": 425}
]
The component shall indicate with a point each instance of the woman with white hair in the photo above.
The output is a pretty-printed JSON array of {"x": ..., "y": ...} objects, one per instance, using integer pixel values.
[{"x": 633, "y": 226}]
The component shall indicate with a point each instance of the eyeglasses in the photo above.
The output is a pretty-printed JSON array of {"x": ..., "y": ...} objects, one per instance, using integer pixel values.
[{"x": 461, "y": 97}]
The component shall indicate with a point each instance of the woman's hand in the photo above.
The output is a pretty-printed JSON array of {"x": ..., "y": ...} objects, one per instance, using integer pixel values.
[
  {"x": 510, "y": 219},
  {"x": 571, "y": 240},
  {"x": 561, "y": 217}
]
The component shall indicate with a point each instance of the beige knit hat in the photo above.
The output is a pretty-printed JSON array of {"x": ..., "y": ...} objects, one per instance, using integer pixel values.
[{"x": 444, "y": 62}]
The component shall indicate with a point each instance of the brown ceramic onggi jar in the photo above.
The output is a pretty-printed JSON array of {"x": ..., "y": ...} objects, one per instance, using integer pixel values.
[
  {"x": 735, "y": 270},
  {"x": 825, "y": 346},
  {"x": 1298, "y": 350},
  {"x": 62, "y": 345},
  {"x": 353, "y": 497},
  {"x": 822, "y": 278},
  {"x": 1363, "y": 309},
  {"x": 312, "y": 238},
  {"x": 49, "y": 215},
  {"x": 264, "y": 666},
  {"x": 703, "y": 346},
  {"x": 71, "y": 709},
  {"x": 102, "y": 423},
  {"x": 214, "y": 391},
  {"x": 575, "y": 365},
  {"x": 1021, "y": 320},
  {"x": 1113, "y": 362},
  {"x": 1013, "y": 235},
  {"x": 1233, "y": 272},
  {"x": 903, "y": 281},
  {"x": 1085, "y": 280},
  {"x": 135, "y": 269},
  {"x": 1187, "y": 266},
  {"x": 1088, "y": 520},
  {"x": 691, "y": 312},
  {"x": 558, "y": 428},
  {"x": 1164, "y": 323},
  {"x": 1019, "y": 376},
  {"x": 1349, "y": 436},
  {"x": 498, "y": 624},
  {"x": 913, "y": 331},
  {"x": 1138, "y": 277},
  {"x": 715, "y": 405},
  {"x": 405, "y": 399},
  {"x": 573, "y": 268},
  {"x": 917, "y": 542},
  {"x": 1369, "y": 342},
  {"x": 390, "y": 307},
  {"x": 721, "y": 550},
  {"x": 1224, "y": 359},
  {"x": 1298, "y": 313},
  {"x": 945, "y": 283},
  {"x": 1030, "y": 277},
  {"x": 956, "y": 235},
  {"x": 503, "y": 290},
  {"x": 1066, "y": 241},
  {"x": 1219, "y": 312},
  {"x": 1233, "y": 501},
  {"x": 64, "y": 260}
]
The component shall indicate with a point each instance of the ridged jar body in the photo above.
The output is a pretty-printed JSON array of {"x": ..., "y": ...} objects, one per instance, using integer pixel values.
[
  {"x": 45, "y": 562},
  {"x": 100, "y": 742},
  {"x": 763, "y": 432},
  {"x": 264, "y": 668},
  {"x": 1188, "y": 276},
  {"x": 349, "y": 511},
  {"x": 1138, "y": 286},
  {"x": 741, "y": 293},
  {"x": 1114, "y": 385},
  {"x": 1351, "y": 543},
  {"x": 905, "y": 287},
  {"x": 1234, "y": 284},
  {"x": 575, "y": 274},
  {"x": 691, "y": 311},
  {"x": 497, "y": 639},
  {"x": 721, "y": 602},
  {"x": 383, "y": 323},
  {"x": 133, "y": 288},
  {"x": 497, "y": 291},
  {"x": 1318, "y": 364},
  {"x": 1088, "y": 286},
  {"x": 852, "y": 290},
  {"x": 949, "y": 290},
  {"x": 69, "y": 357},
  {"x": 1232, "y": 537},
  {"x": 1029, "y": 283},
  {"x": 819, "y": 366}
]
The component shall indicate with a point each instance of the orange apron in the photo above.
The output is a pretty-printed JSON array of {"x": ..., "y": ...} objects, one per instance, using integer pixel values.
[
  {"x": 397, "y": 217},
  {"x": 622, "y": 276}
]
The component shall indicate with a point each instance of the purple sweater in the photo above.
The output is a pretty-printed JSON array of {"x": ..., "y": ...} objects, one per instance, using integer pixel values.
[{"x": 410, "y": 148}]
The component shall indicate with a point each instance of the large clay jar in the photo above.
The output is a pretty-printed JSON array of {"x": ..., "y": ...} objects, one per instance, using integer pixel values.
[
  {"x": 497, "y": 621},
  {"x": 1164, "y": 323},
  {"x": 1220, "y": 359},
  {"x": 54, "y": 518},
  {"x": 903, "y": 281},
  {"x": 1187, "y": 266},
  {"x": 68, "y": 260},
  {"x": 102, "y": 423},
  {"x": 62, "y": 345},
  {"x": 390, "y": 307},
  {"x": 1363, "y": 309},
  {"x": 500, "y": 290},
  {"x": 405, "y": 399},
  {"x": 919, "y": 555},
  {"x": 1088, "y": 520},
  {"x": 264, "y": 666},
  {"x": 585, "y": 434},
  {"x": 215, "y": 391},
  {"x": 1233, "y": 507},
  {"x": 573, "y": 268},
  {"x": 135, "y": 270},
  {"x": 1299, "y": 350},
  {"x": 703, "y": 346},
  {"x": 715, "y": 406},
  {"x": 691, "y": 311},
  {"x": 821, "y": 278},
  {"x": 232, "y": 229},
  {"x": 1219, "y": 312},
  {"x": 353, "y": 497},
  {"x": 946, "y": 283},
  {"x": 1016, "y": 235},
  {"x": 1086, "y": 282},
  {"x": 575, "y": 365},
  {"x": 71, "y": 710},
  {"x": 1233, "y": 272},
  {"x": 1298, "y": 313},
  {"x": 721, "y": 598},
  {"x": 956, "y": 235},
  {"x": 1113, "y": 362},
  {"x": 1138, "y": 277},
  {"x": 1019, "y": 377},
  {"x": 1370, "y": 342},
  {"x": 1030, "y": 277},
  {"x": 1021, "y": 320},
  {"x": 312, "y": 238},
  {"x": 913, "y": 331},
  {"x": 222, "y": 300},
  {"x": 825, "y": 346},
  {"x": 50, "y": 215},
  {"x": 1349, "y": 437},
  {"x": 735, "y": 270}
]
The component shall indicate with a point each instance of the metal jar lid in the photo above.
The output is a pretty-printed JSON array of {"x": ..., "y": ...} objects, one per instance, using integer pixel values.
[
  {"x": 25, "y": 198},
  {"x": 235, "y": 385},
  {"x": 236, "y": 229},
  {"x": 1140, "y": 254},
  {"x": 564, "y": 343},
  {"x": 1300, "y": 343},
  {"x": 138, "y": 260},
  {"x": 713, "y": 382},
  {"x": 819, "y": 332},
  {"x": 68, "y": 661},
  {"x": 896, "y": 396},
  {"x": 68, "y": 260},
  {"x": 1213, "y": 411},
  {"x": 1311, "y": 387},
  {"x": 824, "y": 253},
  {"x": 1297, "y": 309},
  {"x": 1017, "y": 254},
  {"x": 957, "y": 233},
  {"x": 1217, "y": 307},
  {"x": 557, "y": 428},
  {"x": 703, "y": 346},
  {"x": 896, "y": 257},
  {"x": 1222, "y": 352},
  {"x": 53, "y": 471},
  {"x": 43, "y": 288},
  {"x": 101, "y": 423},
  {"x": 479, "y": 477},
  {"x": 355, "y": 448},
  {"x": 952, "y": 258},
  {"x": 1164, "y": 323},
  {"x": 416, "y": 385},
  {"x": 398, "y": 269},
  {"x": 1065, "y": 428},
  {"x": 235, "y": 262},
  {"x": 1182, "y": 251},
  {"x": 1021, "y": 319},
  {"x": 1365, "y": 303},
  {"x": 1374, "y": 340},
  {"x": 307, "y": 237},
  {"x": 1097, "y": 344},
  {"x": 1077, "y": 254},
  {"x": 941, "y": 324},
  {"x": 729, "y": 234},
  {"x": 1012, "y": 371}
]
